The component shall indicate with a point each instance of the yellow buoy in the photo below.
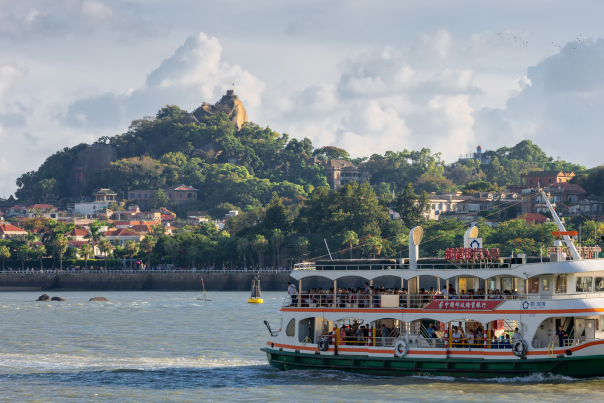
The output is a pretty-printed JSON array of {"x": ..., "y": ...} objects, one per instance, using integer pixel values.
[{"x": 255, "y": 297}]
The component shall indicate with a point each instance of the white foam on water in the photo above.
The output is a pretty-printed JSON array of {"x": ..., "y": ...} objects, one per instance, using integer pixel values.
[
  {"x": 54, "y": 362},
  {"x": 533, "y": 378}
]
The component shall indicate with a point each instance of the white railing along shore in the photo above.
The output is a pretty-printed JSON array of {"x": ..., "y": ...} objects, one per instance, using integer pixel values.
[{"x": 128, "y": 271}]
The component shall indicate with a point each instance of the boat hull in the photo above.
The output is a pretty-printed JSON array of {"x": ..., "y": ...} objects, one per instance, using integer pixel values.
[{"x": 575, "y": 367}]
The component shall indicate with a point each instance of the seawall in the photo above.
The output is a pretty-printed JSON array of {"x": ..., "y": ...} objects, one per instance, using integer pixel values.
[{"x": 158, "y": 281}]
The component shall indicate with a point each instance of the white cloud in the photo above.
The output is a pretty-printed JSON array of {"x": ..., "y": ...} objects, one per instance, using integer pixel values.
[{"x": 193, "y": 74}]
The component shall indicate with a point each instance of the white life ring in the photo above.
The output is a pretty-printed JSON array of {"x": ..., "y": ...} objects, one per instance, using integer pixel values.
[
  {"x": 519, "y": 348},
  {"x": 401, "y": 348}
]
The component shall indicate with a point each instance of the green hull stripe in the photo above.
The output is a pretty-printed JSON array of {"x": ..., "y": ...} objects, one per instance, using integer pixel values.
[{"x": 575, "y": 367}]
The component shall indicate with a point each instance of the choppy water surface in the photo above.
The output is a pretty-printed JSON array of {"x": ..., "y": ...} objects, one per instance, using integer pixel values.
[{"x": 169, "y": 346}]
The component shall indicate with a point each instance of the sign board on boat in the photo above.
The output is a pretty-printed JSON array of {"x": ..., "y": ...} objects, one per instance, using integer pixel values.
[{"x": 468, "y": 305}]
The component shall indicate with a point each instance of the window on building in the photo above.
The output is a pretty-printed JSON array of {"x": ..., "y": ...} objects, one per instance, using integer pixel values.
[
  {"x": 145, "y": 195},
  {"x": 530, "y": 181},
  {"x": 170, "y": 195},
  {"x": 561, "y": 283},
  {"x": 599, "y": 284},
  {"x": 545, "y": 284},
  {"x": 139, "y": 196},
  {"x": 132, "y": 196},
  {"x": 550, "y": 180},
  {"x": 584, "y": 284},
  {"x": 180, "y": 195},
  {"x": 533, "y": 284}
]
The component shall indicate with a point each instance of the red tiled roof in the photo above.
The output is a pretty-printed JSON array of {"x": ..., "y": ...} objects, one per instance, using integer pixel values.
[
  {"x": 78, "y": 232},
  {"x": 167, "y": 217},
  {"x": 141, "y": 228},
  {"x": 533, "y": 218},
  {"x": 77, "y": 244},
  {"x": 40, "y": 206},
  {"x": 120, "y": 232},
  {"x": 135, "y": 223},
  {"x": 11, "y": 228}
]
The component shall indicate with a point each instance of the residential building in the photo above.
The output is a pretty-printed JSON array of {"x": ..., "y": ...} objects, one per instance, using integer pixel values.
[
  {"x": 87, "y": 208},
  {"x": 178, "y": 195},
  {"x": 540, "y": 179},
  {"x": 9, "y": 231},
  {"x": 340, "y": 172},
  {"x": 78, "y": 234},
  {"x": 194, "y": 220},
  {"x": 478, "y": 156},
  {"x": 129, "y": 224},
  {"x": 105, "y": 195},
  {"x": 560, "y": 193},
  {"x": 120, "y": 236}
]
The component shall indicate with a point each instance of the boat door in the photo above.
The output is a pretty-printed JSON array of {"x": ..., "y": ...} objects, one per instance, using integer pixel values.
[
  {"x": 590, "y": 329},
  {"x": 579, "y": 330}
]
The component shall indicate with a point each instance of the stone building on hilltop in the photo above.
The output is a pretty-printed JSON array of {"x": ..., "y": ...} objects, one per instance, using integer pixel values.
[{"x": 229, "y": 104}]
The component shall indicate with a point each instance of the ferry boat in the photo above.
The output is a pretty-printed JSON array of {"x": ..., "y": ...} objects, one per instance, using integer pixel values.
[{"x": 556, "y": 303}]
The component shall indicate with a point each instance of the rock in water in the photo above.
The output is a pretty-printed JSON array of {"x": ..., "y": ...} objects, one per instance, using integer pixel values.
[
  {"x": 99, "y": 299},
  {"x": 43, "y": 297},
  {"x": 58, "y": 299}
]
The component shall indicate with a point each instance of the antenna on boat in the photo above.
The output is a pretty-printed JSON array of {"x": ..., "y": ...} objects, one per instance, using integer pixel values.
[{"x": 330, "y": 258}]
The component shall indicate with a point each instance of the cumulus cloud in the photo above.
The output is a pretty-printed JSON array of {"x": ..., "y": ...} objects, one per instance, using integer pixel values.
[
  {"x": 28, "y": 19},
  {"x": 193, "y": 74},
  {"x": 560, "y": 103}
]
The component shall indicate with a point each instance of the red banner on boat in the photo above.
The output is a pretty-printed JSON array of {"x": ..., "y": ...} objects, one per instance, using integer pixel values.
[
  {"x": 471, "y": 254},
  {"x": 459, "y": 304}
]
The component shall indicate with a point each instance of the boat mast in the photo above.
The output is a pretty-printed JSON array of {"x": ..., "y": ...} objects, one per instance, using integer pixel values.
[{"x": 569, "y": 243}]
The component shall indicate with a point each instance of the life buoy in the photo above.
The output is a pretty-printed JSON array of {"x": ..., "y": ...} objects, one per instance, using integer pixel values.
[
  {"x": 401, "y": 348},
  {"x": 519, "y": 348},
  {"x": 323, "y": 345}
]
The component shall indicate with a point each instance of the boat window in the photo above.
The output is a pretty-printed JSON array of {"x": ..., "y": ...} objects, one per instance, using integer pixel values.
[
  {"x": 290, "y": 330},
  {"x": 599, "y": 284},
  {"x": 545, "y": 284},
  {"x": 533, "y": 285},
  {"x": 507, "y": 284},
  {"x": 584, "y": 284},
  {"x": 492, "y": 284},
  {"x": 561, "y": 283}
]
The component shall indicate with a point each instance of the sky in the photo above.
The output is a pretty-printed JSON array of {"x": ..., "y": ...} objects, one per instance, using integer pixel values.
[{"x": 367, "y": 76}]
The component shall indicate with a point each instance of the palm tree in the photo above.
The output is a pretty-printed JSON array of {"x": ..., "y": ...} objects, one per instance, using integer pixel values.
[
  {"x": 302, "y": 246},
  {"x": 105, "y": 247},
  {"x": 4, "y": 254},
  {"x": 131, "y": 250},
  {"x": 277, "y": 240},
  {"x": 375, "y": 245},
  {"x": 60, "y": 246},
  {"x": 147, "y": 245},
  {"x": 157, "y": 230},
  {"x": 86, "y": 250},
  {"x": 400, "y": 240},
  {"x": 259, "y": 245},
  {"x": 193, "y": 253},
  {"x": 242, "y": 246},
  {"x": 39, "y": 252},
  {"x": 23, "y": 254},
  {"x": 173, "y": 248},
  {"x": 350, "y": 239},
  {"x": 94, "y": 233}
]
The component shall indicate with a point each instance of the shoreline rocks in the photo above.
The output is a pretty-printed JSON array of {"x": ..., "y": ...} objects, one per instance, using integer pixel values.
[
  {"x": 98, "y": 299},
  {"x": 58, "y": 299},
  {"x": 43, "y": 297}
]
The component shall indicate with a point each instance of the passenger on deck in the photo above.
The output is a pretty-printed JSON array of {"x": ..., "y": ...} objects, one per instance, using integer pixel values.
[
  {"x": 470, "y": 338},
  {"x": 293, "y": 294},
  {"x": 516, "y": 335},
  {"x": 342, "y": 336},
  {"x": 384, "y": 332},
  {"x": 506, "y": 342},
  {"x": 560, "y": 334},
  {"x": 456, "y": 336}
]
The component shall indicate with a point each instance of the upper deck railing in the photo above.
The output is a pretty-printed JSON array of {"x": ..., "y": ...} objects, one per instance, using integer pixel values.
[
  {"x": 325, "y": 266},
  {"x": 417, "y": 301}
]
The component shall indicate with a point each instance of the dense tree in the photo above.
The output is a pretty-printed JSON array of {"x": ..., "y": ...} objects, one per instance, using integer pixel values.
[{"x": 410, "y": 207}]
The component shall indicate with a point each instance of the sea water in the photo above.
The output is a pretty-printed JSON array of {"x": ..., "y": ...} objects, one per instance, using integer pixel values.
[{"x": 174, "y": 346}]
